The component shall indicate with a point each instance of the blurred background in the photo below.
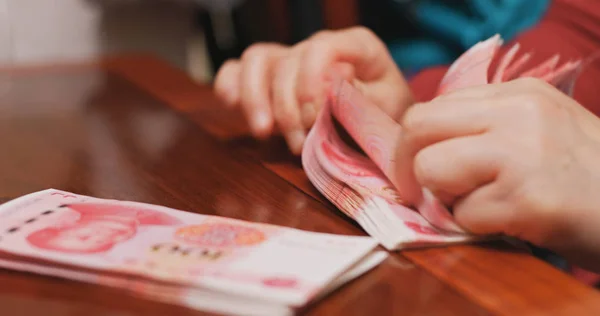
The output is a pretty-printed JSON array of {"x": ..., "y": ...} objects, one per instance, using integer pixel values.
[{"x": 198, "y": 35}]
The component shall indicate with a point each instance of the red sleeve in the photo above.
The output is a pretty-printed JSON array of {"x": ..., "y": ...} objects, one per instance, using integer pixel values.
[{"x": 570, "y": 28}]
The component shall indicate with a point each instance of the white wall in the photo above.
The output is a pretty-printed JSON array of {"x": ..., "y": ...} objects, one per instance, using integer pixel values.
[
  {"x": 45, "y": 31},
  {"x": 5, "y": 48}
]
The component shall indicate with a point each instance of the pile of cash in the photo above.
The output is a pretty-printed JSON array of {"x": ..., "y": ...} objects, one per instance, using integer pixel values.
[{"x": 202, "y": 262}]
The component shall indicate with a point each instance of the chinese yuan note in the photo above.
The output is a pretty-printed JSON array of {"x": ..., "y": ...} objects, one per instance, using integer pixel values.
[{"x": 187, "y": 255}]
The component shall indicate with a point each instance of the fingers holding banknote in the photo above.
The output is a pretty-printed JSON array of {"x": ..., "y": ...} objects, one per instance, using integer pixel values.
[
  {"x": 518, "y": 158},
  {"x": 284, "y": 87}
]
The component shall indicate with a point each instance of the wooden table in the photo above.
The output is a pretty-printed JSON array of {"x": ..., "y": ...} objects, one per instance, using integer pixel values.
[{"x": 134, "y": 128}]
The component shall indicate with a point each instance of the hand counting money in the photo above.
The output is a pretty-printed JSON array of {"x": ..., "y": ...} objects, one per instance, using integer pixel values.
[
  {"x": 359, "y": 185},
  {"x": 204, "y": 262}
]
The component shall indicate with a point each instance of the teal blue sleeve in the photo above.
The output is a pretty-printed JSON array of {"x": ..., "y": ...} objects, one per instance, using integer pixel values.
[{"x": 449, "y": 30}]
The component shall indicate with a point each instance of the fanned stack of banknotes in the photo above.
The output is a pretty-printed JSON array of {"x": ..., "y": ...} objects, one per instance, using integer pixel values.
[
  {"x": 230, "y": 266},
  {"x": 357, "y": 184}
]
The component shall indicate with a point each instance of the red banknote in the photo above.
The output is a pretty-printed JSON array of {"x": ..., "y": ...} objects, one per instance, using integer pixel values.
[
  {"x": 359, "y": 185},
  {"x": 203, "y": 262}
]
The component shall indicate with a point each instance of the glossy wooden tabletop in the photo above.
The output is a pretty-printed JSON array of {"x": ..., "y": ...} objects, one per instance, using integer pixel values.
[{"x": 134, "y": 128}]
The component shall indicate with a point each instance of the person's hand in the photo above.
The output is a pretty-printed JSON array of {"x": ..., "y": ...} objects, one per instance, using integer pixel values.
[
  {"x": 285, "y": 87},
  {"x": 518, "y": 158}
]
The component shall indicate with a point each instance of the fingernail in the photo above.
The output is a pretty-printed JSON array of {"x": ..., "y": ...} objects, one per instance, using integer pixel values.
[
  {"x": 260, "y": 123},
  {"x": 309, "y": 114},
  {"x": 295, "y": 140}
]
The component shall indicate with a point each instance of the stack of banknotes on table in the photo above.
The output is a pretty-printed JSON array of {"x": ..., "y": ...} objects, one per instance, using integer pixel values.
[
  {"x": 203, "y": 262},
  {"x": 359, "y": 184}
]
